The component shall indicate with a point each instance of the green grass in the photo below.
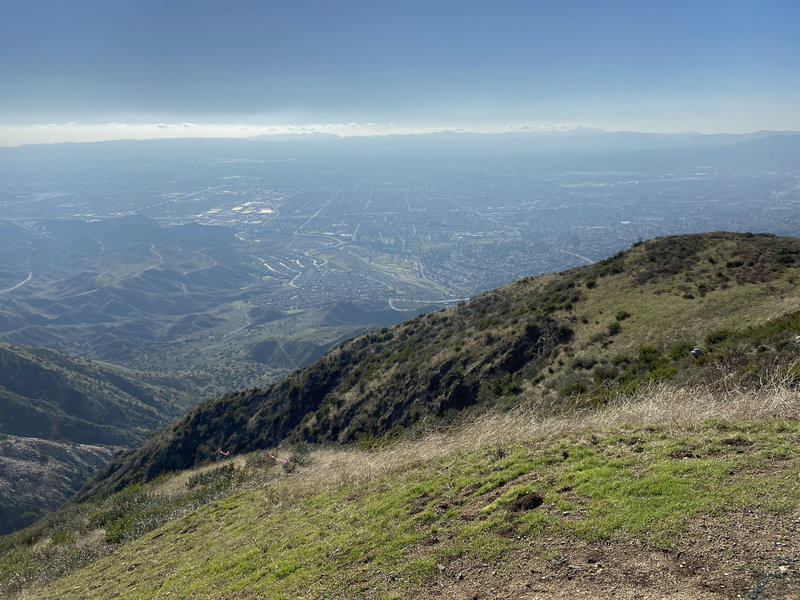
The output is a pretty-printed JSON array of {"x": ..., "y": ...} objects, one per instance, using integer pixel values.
[
  {"x": 386, "y": 537},
  {"x": 382, "y": 518}
]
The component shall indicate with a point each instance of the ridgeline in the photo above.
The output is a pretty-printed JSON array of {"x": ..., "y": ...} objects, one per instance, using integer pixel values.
[{"x": 576, "y": 338}]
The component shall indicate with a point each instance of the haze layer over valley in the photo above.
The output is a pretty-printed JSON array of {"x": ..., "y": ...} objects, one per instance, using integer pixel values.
[{"x": 232, "y": 262}]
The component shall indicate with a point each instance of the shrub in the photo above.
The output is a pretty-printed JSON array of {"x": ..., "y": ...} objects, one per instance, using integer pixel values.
[
  {"x": 680, "y": 350},
  {"x": 648, "y": 354},
  {"x": 216, "y": 478},
  {"x": 717, "y": 336},
  {"x": 575, "y": 388},
  {"x": 505, "y": 386},
  {"x": 605, "y": 372},
  {"x": 584, "y": 362}
]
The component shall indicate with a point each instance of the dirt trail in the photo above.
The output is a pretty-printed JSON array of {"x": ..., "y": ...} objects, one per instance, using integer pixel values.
[{"x": 745, "y": 555}]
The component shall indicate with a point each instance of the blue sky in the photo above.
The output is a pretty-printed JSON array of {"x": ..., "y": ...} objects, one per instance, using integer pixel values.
[{"x": 377, "y": 66}]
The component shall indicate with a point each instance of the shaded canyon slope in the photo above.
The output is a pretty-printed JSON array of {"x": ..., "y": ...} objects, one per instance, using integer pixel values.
[
  {"x": 51, "y": 395},
  {"x": 63, "y": 417}
]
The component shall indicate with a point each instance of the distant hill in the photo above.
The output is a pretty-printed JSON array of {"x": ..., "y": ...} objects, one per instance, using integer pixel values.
[
  {"x": 37, "y": 476},
  {"x": 576, "y": 338},
  {"x": 51, "y": 395},
  {"x": 185, "y": 300},
  {"x": 62, "y": 417}
]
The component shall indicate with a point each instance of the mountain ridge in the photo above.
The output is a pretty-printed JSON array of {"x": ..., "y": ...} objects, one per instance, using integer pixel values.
[{"x": 571, "y": 338}]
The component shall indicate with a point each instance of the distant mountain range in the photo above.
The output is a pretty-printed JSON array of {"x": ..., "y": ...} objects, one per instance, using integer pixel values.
[{"x": 449, "y": 144}]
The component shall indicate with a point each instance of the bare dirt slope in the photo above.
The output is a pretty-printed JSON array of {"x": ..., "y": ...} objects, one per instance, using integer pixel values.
[{"x": 754, "y": 556}]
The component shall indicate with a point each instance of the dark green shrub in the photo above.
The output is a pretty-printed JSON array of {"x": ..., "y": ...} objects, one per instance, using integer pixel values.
[
  {"x": 621, "y": 359},
  {"x": 648, "y": 354},
  {"x": 717, "y": 336},
  {"x": 680, "y": 350},
  {"x": 584, "y": 362},
  {"x": 505, "y": 386},
  {"x": 605, "y": 372}
]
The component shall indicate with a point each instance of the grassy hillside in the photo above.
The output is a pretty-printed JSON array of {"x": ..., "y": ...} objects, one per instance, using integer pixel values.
[
  {"x": 553, "y": 438},
  {"x": 577, "y": 338},
  {"x": 679, "y": 494}
]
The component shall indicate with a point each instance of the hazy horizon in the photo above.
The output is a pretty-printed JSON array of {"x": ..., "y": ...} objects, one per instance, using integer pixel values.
[{"x": 93, "y": 70}]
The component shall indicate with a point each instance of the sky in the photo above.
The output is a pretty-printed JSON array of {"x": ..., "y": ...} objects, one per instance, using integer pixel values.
[{"x": 77, "y": 70}]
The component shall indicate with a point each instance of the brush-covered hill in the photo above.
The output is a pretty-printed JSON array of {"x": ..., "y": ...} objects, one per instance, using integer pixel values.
[
  {"x": 566, "y": 340},
  {"x": 37, "y": 476},
  {"x": 54, "y": 396},
  {"x": 61, "y": 418}
]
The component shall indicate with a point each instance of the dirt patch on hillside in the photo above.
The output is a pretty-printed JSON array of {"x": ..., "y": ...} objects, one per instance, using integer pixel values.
[{"x": 742, "y": 555}]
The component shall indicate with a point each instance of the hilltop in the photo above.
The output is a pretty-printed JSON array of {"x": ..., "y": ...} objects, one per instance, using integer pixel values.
[
  {"x": 571, "y": 339},
  {"x": 550, "y": 438}
]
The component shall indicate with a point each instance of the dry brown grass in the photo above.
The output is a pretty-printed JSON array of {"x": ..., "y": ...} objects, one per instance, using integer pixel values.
[
  {"x": 177, "y": 484},
  {"x": 657, "y": 405}
]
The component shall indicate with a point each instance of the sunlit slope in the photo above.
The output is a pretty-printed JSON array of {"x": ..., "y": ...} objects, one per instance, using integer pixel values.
[
  {"x": 576, "y": 338},
  {"x": 672, "y": 493},
  {"x": 37, "y": 476}
]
